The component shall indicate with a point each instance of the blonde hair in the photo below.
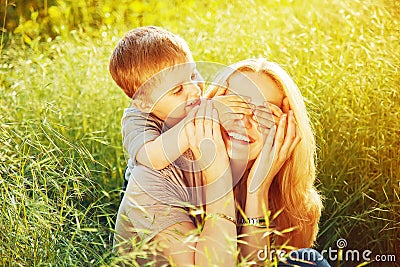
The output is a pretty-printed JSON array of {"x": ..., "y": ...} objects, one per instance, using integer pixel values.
[
  {"x": 142, "y": 53},
  {"x": 292, "y": 191}
]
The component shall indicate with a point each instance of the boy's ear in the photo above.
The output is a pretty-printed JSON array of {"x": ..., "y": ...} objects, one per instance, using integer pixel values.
[{"x": 142, "y": 105}]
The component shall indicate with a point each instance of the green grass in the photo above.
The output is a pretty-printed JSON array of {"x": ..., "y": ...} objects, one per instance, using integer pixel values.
[{"x": 61, "y": 158}]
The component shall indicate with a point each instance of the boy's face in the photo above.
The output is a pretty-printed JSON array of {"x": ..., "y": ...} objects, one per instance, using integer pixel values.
[{"x": 178, "y": 92}]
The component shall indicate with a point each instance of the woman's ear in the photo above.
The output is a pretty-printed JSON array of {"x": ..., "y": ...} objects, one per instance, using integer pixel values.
[
  {"x": 141, "y": 105},
  {"x": 285, "y": 105}
]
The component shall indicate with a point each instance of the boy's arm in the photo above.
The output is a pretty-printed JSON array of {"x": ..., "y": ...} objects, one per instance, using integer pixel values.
[{"x": 165, "y": 149}]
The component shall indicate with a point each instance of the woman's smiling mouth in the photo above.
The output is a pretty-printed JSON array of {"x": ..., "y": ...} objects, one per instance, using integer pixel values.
[{"x": 240, "y": 137}]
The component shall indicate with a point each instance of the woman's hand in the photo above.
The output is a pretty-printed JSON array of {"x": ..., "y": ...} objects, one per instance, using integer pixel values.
[
  {"x": 278, "y": 147},
  {"x": 205, "y": 140}
]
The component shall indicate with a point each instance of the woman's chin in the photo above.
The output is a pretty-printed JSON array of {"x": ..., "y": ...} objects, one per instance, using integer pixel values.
[
  {"x": 238, "y": 149},
  {"x": 242, "y": 150}
]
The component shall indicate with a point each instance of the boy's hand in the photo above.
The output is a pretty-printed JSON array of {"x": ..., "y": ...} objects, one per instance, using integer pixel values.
[
  {"x": 265, "y": 117},
  {"x": 232, "y": 107},
  {"x": 270, "y": 111},
  {"x": 205, "y": 140}
]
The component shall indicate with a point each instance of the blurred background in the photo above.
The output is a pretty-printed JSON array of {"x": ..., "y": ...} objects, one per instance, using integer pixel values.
[{"x": 61, "y": 155}]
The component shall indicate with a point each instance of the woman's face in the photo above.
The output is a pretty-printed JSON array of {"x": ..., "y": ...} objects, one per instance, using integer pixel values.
[{"x": 242, "y": 135}]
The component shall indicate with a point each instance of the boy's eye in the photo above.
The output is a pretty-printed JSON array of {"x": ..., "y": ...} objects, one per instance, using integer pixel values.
[{"x": 178, "y": 90}]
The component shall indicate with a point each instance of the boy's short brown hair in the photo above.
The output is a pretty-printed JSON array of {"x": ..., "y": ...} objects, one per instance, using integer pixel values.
[{"x": 143, "y": 52}]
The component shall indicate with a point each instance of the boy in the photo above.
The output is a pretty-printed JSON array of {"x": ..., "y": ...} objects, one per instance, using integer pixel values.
[{"x": 156, "y": 69}]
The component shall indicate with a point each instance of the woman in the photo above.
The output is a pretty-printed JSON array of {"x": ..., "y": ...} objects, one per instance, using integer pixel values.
[
  {"x": 273, "y": 177},
  {"x": 301, "y": 207}
]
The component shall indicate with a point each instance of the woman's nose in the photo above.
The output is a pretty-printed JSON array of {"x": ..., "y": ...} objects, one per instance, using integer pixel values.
[
  {"x": 247, "y": 121},
  {"x": 244, "y": 121}
]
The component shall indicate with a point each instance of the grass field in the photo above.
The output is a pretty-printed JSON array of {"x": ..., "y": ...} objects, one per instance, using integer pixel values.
[{"x": 61, "y": 156}]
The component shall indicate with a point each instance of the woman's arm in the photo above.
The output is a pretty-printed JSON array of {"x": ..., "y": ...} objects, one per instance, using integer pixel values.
[
  {"x": 277, "y": 149},
  {"x": 216, "y": 244}
]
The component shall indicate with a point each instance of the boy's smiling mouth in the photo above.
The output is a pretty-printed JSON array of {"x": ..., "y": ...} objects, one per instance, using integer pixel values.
[{"x": 193, "y": 102}]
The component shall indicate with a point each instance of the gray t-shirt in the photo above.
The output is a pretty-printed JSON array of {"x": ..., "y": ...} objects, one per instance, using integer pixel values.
[{"x": 155, "y": 200}]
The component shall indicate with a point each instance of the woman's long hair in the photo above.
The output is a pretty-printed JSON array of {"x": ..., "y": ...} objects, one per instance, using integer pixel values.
[{"x": 292, "y": 192}]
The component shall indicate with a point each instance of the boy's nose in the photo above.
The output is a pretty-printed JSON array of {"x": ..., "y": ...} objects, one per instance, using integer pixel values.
[{"x": 194, "y": 90}]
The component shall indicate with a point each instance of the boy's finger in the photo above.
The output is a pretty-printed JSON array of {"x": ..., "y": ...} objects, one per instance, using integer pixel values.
[
  {"x": 240, "y": 108},
  {"x": 234, "y": 104},
  {"x": 233, "y": 98},
  {"x": 192, "y": 114},
  {"x": 189, "y": 134},
  {"x": 274, "y": 110},
  {"x": 216, "y": 127},
  {"x": 208, "y": 120},
  {"x": 242, "y": 98},
  {"x": 230, "y": 116},
  {"x": 217, "y": 136},
  {"x": 199, "y": 120},
  {"x": 226, "y": 99},
  {"x": 269, "y": 121},
  {"x": 277, "y": 120},
  {"x": 264, "y": 110},
  {"x": 189, "y": 125},
  {"x": 220, "y": 90},
  {"x": 264, "y": 118}
]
